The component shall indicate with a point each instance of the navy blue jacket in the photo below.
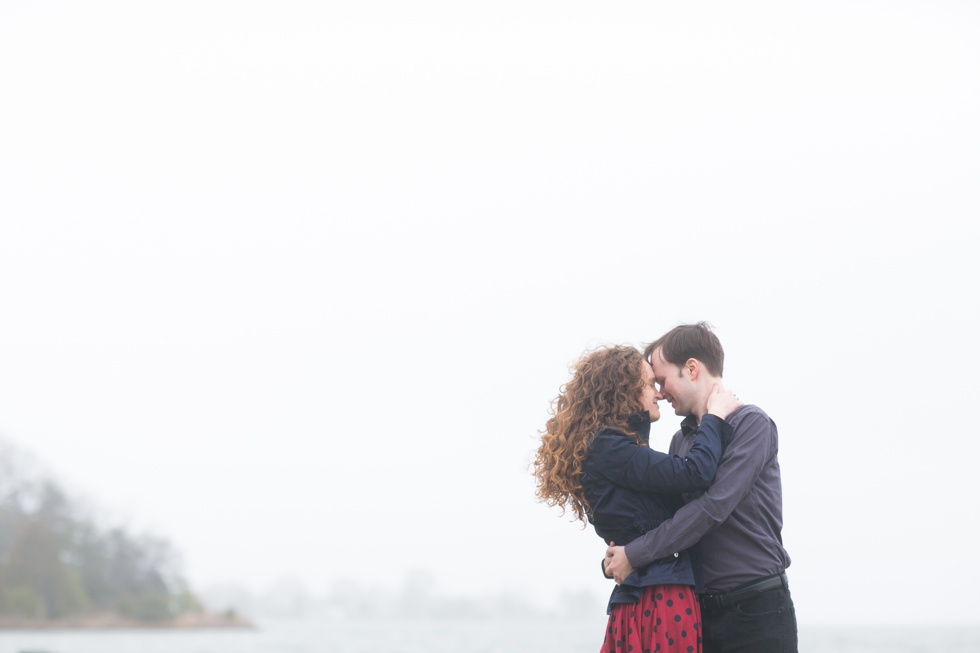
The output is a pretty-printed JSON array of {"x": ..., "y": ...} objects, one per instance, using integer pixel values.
[{"x": 632, "y": 489}]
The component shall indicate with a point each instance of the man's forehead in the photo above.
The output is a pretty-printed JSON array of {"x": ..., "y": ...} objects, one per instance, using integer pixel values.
[{"x": 658, "y": 361}]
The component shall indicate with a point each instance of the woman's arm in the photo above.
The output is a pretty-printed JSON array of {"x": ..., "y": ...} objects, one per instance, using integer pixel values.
[{"x": 621, "y": 460}]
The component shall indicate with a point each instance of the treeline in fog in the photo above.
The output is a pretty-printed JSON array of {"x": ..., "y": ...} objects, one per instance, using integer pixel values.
[{"x": 57, "y": 562}]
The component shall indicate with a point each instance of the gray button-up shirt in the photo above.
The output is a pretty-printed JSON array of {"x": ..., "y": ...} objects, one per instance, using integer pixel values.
[{"x": 739, "y": 519}]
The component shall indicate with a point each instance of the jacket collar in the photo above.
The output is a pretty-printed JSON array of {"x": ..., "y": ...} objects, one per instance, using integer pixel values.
[{"x": 639, "y": 423}]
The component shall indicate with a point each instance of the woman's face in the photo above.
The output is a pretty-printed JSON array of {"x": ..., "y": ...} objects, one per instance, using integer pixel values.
[{"x": 650, "y": 393}]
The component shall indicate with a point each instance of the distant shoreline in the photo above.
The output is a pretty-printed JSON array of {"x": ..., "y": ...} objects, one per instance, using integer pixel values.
[{"x": 115, "y": 622}]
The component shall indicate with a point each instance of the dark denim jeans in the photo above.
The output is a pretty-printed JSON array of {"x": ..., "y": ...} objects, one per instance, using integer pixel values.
[{"x": 765, "y": 623}]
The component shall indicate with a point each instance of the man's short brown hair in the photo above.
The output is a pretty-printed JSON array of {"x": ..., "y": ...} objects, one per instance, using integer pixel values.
[{"x": 690, "y": 341}]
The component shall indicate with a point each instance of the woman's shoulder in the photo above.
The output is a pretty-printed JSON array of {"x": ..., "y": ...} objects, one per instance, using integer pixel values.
[
  {"x": 609, "y": 450},
  {"x": 610, "y": 433},
  {"x": 608, "y": 439}
]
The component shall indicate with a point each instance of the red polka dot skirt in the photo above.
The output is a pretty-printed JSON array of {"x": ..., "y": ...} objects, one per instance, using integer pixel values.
[{"x": 667, "y": 619}]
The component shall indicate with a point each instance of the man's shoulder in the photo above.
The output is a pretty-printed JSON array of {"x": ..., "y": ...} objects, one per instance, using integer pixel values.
[
  {"x": 748, "y": 413},
  {"x": 748, "y": 409}
]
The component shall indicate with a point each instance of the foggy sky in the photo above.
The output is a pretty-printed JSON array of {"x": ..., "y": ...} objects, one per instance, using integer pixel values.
[{"x": 293, "y": 284}]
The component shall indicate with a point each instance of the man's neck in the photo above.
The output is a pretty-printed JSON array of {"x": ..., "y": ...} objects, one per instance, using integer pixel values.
[{"x": 702, "y": 408}]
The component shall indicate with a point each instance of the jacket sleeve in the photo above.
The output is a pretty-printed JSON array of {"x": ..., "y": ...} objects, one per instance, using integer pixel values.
[
  {"x": 752, "y": 446},
  {"x": 626, "y": 463}
]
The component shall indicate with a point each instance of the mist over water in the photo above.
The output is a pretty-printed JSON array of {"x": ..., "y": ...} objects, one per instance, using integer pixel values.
[
  {"x": 499, "y": 635},
  {"x": 416, "y": 599}
]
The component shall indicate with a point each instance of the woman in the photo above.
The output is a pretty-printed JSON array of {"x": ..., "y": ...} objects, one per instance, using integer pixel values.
[{"x": 592, "y": 459}]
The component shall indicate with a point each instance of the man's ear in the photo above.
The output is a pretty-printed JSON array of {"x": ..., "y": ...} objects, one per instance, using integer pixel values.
[{"x": 693, "y": 367}]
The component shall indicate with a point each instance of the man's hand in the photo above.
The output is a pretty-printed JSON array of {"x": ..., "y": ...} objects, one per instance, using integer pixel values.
[{"x": 616, "y": 563}]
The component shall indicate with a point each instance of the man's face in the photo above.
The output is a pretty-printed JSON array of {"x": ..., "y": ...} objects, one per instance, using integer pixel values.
[
  {"x": 650, "y": 393},
  {"x": 674, "y": 383}
]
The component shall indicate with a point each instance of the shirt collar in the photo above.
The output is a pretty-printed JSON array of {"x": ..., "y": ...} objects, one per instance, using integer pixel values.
[{"x": 689, "y": 427}]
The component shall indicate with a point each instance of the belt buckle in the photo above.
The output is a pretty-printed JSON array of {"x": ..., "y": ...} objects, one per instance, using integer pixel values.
[{"x": 715, "y": 601}]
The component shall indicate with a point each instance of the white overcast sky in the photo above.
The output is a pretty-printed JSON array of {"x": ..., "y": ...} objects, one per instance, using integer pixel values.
[{"x": 293, "y": 283}]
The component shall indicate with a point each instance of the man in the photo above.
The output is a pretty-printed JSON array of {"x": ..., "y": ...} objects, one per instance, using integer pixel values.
[{"x": 736, "y": 523}]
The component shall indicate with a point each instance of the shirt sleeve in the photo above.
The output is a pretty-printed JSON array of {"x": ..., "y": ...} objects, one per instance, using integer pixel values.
[
  {"x": 626, "y": 463},
  {"x": 753, "y": 443}
]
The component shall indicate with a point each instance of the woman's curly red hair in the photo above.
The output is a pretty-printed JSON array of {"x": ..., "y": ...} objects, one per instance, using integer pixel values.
[{"x": 605, "y": 389}]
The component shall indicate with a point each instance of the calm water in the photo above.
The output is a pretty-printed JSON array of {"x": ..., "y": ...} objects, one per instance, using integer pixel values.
[{"x": 498, "y": 636}]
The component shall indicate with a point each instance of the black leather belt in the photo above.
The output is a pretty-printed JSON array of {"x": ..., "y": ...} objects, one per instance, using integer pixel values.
[{"x": 743, "y": 592}]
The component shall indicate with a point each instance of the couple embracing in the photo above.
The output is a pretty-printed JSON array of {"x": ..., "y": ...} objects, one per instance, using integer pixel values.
[{"x": 694, "y": 535}]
